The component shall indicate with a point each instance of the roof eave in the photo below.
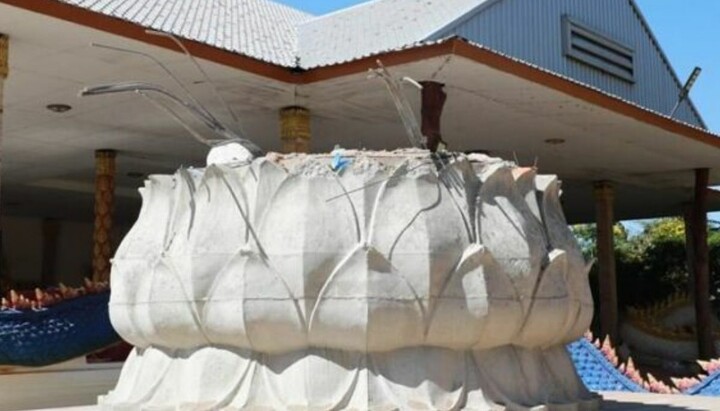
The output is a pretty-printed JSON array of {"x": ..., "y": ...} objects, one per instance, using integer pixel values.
[
  {"x": 123, "y": 28},
  {"x": 482, "y": 55},
  {"x": 582, "y": 91}
]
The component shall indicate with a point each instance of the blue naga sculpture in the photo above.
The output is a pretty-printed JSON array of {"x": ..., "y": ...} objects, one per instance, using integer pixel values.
[{"x": 53, "y": 328}]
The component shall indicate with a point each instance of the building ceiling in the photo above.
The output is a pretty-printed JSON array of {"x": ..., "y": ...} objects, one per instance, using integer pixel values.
[{"x": 48, "y": 157}]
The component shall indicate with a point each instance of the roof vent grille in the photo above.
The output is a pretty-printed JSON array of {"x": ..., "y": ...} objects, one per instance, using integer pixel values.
[{"x": 587, "y": 46}]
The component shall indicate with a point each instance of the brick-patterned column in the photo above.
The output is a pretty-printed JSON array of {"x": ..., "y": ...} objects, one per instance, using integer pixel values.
[
  {"x": 295, "y": 129},
  {"x": 605, "y": 219},
  {"x": 4, "y": 71},
  {"x": 104, "y": 200}
]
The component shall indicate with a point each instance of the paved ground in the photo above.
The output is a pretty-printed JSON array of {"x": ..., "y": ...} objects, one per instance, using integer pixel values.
[
  {"x": 91, "y": 408},
  {"x": 613, "y": 402},
  {"x": 656, "y": 402}
]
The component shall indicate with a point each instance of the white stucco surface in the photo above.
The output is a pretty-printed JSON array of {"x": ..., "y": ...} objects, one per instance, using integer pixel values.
[{"x": 292, "y": 283}]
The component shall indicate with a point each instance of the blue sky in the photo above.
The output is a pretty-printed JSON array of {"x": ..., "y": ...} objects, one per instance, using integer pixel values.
[
  {"x": 687, "y": 30},
  {"x": 320, "y": 6}
]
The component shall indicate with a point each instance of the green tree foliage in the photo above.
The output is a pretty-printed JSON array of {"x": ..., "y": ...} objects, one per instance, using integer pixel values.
[{"x": 651, "y": 264}]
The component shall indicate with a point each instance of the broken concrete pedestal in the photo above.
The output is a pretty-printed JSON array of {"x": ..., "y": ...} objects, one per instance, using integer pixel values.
[{"x": 360, "y": 280}]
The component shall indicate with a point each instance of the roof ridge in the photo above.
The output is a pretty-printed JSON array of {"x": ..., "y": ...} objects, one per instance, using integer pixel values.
[
  {"x": 479, "y": 7},
  {"x": 333, "y": 13},
  {"x": 373, "y": 26},
  {"x": 292, "y": 9},
  {"x": 282, "y": 6}
]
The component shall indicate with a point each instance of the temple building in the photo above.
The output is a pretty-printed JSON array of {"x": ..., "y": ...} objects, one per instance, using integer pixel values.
[{"x": 579, "y": 89}]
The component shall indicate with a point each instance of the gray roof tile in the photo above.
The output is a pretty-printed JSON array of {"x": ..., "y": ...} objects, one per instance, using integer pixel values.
[
  {"x": 260, "y": 29},
  {"x": 272, "y": 32},
  {"x": 375, "y": 26}
]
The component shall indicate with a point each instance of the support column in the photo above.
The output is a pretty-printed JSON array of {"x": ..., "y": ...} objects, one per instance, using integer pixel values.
[
  {"x": 4, "y": 71},
  {"x": 689, "y": 247},
  {"x": 433, "y": 101},
  {"x": 605, "y": 219},
  {"x": 104, "y": 201},
  {"x": 295, "y": 129},
  {"x": 701, "y": 266}
]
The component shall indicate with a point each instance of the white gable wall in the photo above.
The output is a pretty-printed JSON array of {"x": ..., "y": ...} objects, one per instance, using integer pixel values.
[{"x": 531, "y": 30}]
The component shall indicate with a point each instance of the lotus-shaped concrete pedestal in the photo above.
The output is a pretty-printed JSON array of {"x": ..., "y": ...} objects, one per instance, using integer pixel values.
[{"x": 301, "y": 283}]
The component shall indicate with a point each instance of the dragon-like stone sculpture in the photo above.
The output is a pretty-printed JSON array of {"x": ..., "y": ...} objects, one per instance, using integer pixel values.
[
  {"x": 665, "y": 332},
  {"x": 354, "y": 280}
]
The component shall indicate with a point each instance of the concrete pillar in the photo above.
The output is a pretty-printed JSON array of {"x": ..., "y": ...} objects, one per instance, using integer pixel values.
[
  {"x": 433, "y": 102},
  {"x": 4, "y": 71},
  {"x": 605, "y": 219},
  {"x": 701, "y": 266},
  {"x": 295, "y": 129},
  {"x": 104, "y": 202}
]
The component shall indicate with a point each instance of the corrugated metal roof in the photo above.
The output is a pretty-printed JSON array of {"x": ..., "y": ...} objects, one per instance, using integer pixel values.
[
  {"x": 375, "y": 26},
  {"x": 260, "y": 29}
]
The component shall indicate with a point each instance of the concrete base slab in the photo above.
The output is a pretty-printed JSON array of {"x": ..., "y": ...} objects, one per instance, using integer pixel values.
[
  {"x": 62, "y": 385},
  {"x": 86, "y": 408},
  {"x": 613, "y": 402}
]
